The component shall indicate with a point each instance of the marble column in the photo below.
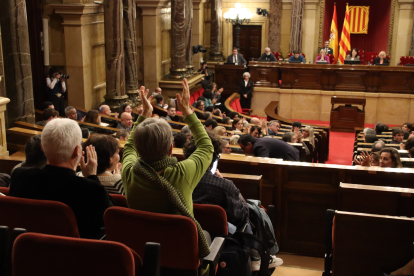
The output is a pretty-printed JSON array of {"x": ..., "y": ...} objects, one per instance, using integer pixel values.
[
  {"x": 178, "y": 42},
  {"x": 114, "y": 54},
  {"x": 16, "y": 53},
  {"x": 130, "y": 48},
  {"x": 216, "y": 36},
  {"x": 2, "y": 88},
  {"x": 296, "y": 26},
  {"x": 275, "y": 19},
  {"x": 412, "y": 41},
  {"x": 188, "y": 37}
]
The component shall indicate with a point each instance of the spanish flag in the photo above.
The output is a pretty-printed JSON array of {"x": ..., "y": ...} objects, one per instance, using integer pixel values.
[
  {"x": 345, "y": 43},
  {"x": 333, "y": 37}
]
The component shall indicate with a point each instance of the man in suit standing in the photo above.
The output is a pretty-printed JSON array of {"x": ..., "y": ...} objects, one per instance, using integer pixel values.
[
  {"x": 329, "y": 51},
  {"x": 267, "y": 55},
  {"x": 236, "y": 58},
  {"x": 246, "y": 91}
]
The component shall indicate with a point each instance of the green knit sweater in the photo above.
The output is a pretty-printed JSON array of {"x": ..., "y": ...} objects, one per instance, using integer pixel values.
[{"x": 184, "y": 176}]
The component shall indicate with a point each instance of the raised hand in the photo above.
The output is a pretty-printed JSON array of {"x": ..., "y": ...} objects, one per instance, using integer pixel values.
[
  {"x": 146, "y": 102},
  {"x": 90, "y": 167},
  {"x": 116, "y": 115},
  {"x": 183, "y": 101}
]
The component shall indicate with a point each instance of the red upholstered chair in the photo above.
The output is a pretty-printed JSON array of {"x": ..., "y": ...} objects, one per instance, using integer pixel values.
[
  {"x": 291, "y": 54},
  {"x": 212, "y": 218},
  {"x": 233, "y": 106},
  {"x": 39, "y": 254},
  {"x": 331, "y": 59},
  {"x": 4, "y": 190},
  {"x": 40, "y": 216},
  {"x": 277, "y": 55},
  {"x": 176, "y": 234},
  {"x": 119, "y": 200},
  {"x": 192, "y": 99}
]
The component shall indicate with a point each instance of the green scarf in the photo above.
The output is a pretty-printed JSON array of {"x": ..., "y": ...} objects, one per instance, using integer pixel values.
[{"x": 149, "y": 171}]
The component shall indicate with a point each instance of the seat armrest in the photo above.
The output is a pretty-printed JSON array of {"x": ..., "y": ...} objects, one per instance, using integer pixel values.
[
  {"x": 151, "y": 260},
  {"x": 214, "y": 256}
]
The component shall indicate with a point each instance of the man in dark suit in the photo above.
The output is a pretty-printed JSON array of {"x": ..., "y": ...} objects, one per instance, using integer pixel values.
[
  {"x": 57, "y": 181},
  {"x": 267, "y": 56},
  {"x": 246, "y": 91},
  {"x": 268, "y": 147},
  {"x": 236, "y": 58},
  {"x": 328, "y": 50}
]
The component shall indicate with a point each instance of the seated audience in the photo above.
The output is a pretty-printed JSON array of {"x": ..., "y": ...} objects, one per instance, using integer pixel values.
[
  {"x": 85, "y": 133},
  {"x": 205, "y": 71},
  {"x": 200, "y": 105},
  {"x": 379, "y": 128},
  {"x": 210, "y": 100},
  {"x": 220, "y": 131},
  {"x": 217, "y": 112},
  {"x": 88, "y": 199},
  {"x": 122, "y": 135},
  {"x": 385, "y": 128},
  {"x": 210, "y": 124},
  {"x": 273, "y": 148},
  {"x": 186, "y": 130},
  {"x": 407, "y": 127},
  {"x": 209, "y": 109},
  {"x": 226, "y": 147},
  {"x": 109, "y": 168},
  {"x": 139, "y": 109},
  {"x": 255, "y": 121},
  {"x": 47, "y": 105},
  {"x": 377, "y": 146},
  {"x": 226, "y": 121},
  {"x": 322, "y": 56},
  {"x": 237, "y": 125},
  {"x": 207, "y": 115},
  {"x": 217, "y": 92},
  {"x": 368, "y": 131},
  {"x": 375, "y": 159},
  {"x": 126, "y": 121},
  {"x": 234, "y": 140},
  {"x": 409, "y": 144},
  {"x": 158, "y": 91},
  {"x": 147, "y": 157},
  {"x": 179, "y": 140},
  {"x": 48, "y": 115},
  {"x": 93, "y": 117},
  {"x": 35, "y": 157},
  {"x": 381, "y": 59},
  {"x": 71, "y": 113},
  {"x": 160, "y": 101},
  {"x": 296, "y": 57},
  {"x": 216, "y": 190},
  {"x": 274, "y": 127},
  {"x": 171, "y": 114},
  {"x": 255, "y": 131},
  {"x": 370, "y": 138},
  {"x": 354, "y": 55},
  {"x": 296, "y": 126},
  {"x": 106, "y": 110},
  {"x": 406, "y": 135},
  {"x": 388, "y": 158},
  {"x": 290, "y": 137},
  {"x": 308, "y": 134},
  {"x": 397, "y": 136},
  {"x": 368, "y": 160},
  {"x": 267, "y": 55},
  {"x": 236, "y": 58},
  {"x": 201, "y": 98}
]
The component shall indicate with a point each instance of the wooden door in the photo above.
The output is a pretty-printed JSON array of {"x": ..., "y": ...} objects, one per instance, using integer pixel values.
[{"x": 250, "y": 41}]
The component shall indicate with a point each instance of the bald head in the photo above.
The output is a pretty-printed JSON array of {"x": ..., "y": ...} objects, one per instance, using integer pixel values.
[
  {"x": 126, "y": 119},
  {"x": 105, "y": 110},
  {"x": 255, "y": 121},
  {"x": 158, "y": 90}
]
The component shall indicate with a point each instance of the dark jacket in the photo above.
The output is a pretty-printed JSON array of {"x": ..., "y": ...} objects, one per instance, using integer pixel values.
[
  {"x": 246, "y": 89},
  {"x": 330, "y": 50},
  {"x": 87, "y": 197},
  {"x": 265, "y": 57},
  {"x": 378, "y": 60},
  {"x": 240, "y": 59},
  {"x": 275, "y": 148}
]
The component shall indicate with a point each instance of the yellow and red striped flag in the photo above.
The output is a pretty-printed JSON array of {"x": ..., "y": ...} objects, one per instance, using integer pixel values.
[
  {"x": 333, "y": 37},
  {"x": 345, "y": 43},
  {"x": 358, "y": 18}
]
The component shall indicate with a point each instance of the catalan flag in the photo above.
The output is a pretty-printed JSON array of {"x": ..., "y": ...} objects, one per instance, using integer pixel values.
[
  {"x": 345, "y": 43},
  {"x": 333, "y": 37},
  {"x": 359, "y": 17}
]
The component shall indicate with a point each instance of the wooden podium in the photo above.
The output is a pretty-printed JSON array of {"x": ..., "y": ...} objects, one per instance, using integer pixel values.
[{"x": 346, "y": 117}]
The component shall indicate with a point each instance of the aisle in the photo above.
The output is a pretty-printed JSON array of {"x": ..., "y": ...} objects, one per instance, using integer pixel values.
[{"x": 341, "y": 147}]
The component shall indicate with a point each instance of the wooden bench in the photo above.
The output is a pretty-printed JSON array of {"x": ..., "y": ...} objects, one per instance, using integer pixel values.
[
  {"x": 390, "y": 201},
  {"x": 365, "y": 244},
  {"x": 249, "y": 185}
]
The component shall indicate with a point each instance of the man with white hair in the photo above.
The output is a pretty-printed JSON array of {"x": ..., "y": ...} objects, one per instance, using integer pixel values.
[
  {"x": 267, "y": 55},
  {"x": 126, "y": 121},
  {"x": 57, "y": 181},
  {"x": 71, "y": 113},
  {"x": 153, "y": 180},
  {"x": 106, "y": 110}
]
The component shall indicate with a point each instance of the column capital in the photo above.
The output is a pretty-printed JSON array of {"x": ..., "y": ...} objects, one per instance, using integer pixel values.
[
  {"x": 78, "y": 9},
  {"x": 198, "y": 3}
]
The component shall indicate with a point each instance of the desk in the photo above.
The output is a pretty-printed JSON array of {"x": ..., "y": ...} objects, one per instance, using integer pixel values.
[{"x": 347, "y": 117}]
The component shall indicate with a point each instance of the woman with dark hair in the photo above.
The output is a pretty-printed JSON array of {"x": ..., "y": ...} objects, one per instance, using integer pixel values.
[
  {"x": 93, "y": 117},
  {"x": 237, "y": 125},
  {"x": 126, "y": 107},
  {"x": 354, "y": 55},
  {"x": 56, "y": 86},
  {"x": 388, "y": 158},
  {"x": 217, "y": 92},
  {"x": 210, "y": 100},
  {"x": 35, "y": 156},
  {"x": 109, "y": 168},
  {"x": 407, "y": 127}
]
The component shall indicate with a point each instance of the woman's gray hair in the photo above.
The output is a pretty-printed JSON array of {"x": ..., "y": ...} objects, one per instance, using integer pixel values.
[
  {"x": 246, "y": 73},
  {"x": 234, "y": 140},
  {"x": 153, "y": 139},
  {"x": 59, "y": 138},
  {"x": 311, "y": 135}
]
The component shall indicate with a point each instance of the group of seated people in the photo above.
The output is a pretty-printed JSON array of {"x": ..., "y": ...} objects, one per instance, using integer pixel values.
[{"x": 384, "y": 152}]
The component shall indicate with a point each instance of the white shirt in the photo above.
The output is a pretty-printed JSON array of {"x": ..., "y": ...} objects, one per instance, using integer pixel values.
[
  {"x": 235, "y": 58},
  {"x": 51, "y": 84},
  {"x": 245, "y": 83}
]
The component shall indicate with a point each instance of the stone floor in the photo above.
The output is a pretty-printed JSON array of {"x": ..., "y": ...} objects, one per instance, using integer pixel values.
[{"x": 294, "y": 265}]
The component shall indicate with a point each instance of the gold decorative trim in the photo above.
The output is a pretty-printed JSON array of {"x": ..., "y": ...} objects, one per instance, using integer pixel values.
[
  {"x": 321, "y": 21},
  {"x": 391, "y": 29}
]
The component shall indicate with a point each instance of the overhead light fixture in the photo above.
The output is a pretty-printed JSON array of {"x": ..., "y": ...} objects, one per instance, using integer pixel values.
[{"x": 261, "y": 11}]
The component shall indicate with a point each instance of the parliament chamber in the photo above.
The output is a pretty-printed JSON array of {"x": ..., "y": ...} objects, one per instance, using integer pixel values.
[{"x": 281, "y": 126}]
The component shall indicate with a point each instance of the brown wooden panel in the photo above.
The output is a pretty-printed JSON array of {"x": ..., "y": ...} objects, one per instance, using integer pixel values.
[
  {"x": 250, "y": 39},
  {"x": 395, "y": 82},
  {"x": 229, "y": 77},
  {"x": 346, "y": 79}
]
